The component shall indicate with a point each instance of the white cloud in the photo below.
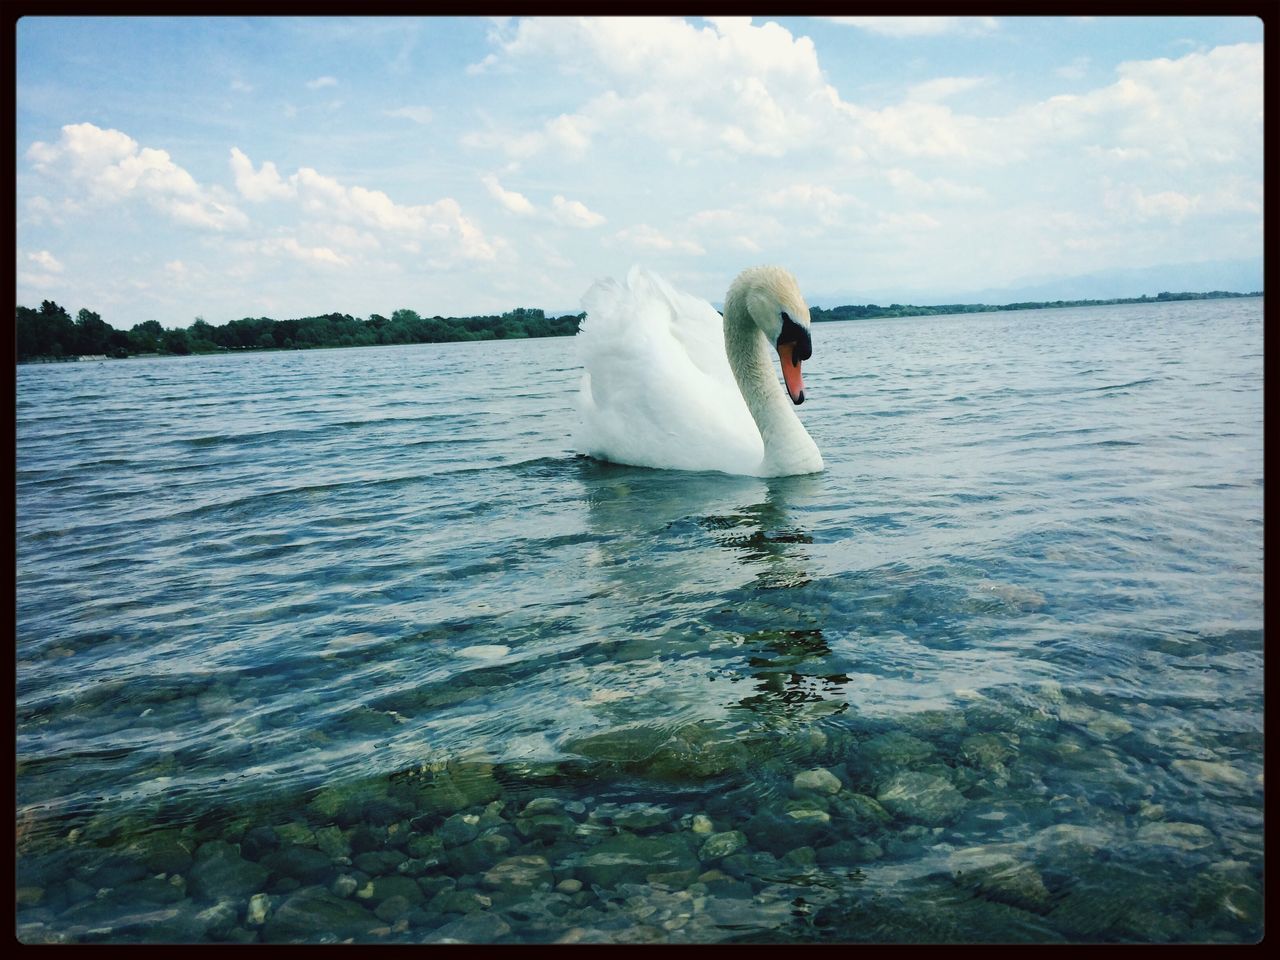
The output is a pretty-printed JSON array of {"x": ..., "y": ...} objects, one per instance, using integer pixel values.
[
  {"x": 319, "y": 83},
  {"x": 928, "y": 130},
  {"x": 510, "y": 200},
  {"x": 1131, "y": 202},
  {"x": 239, "y": 86},
  {"x": 913, "y": 186},
  {"x": 112, "y": 167},
  {"x": 812, "y": 202},
  {"x": 573, "y": 213},
  {"x": 920, "y": 26},
  {"x": 289, "y": 246},
  {"x": 932, "y": 91},
  {"x": 1199, "y": 108},
  {"x": 264, "y": 184},
  {"x": 644, "y": 237},
  {"x": 46, "y": 261},
  {"x": 752, "y": 89},
  {"x": 475, "y": 69},
  {"x": 911, "y": 221},
  {"x": 420, "y": 114},
  {"x": 1075, "y": 70}
]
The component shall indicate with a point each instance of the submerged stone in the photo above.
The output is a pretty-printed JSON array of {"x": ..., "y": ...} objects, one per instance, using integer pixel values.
[
  {"x": 819, "y": 780},
  {"x": 315, "y": 915},
  {"x": 720, "y": 845},
  {"x": 998, "y": 874},
  {"x": 1214, "y": 773},
  {"x": 220, "y": 872},
  {"x": 922, "y": 797},
  {"x": 893, "y": 750},
  {"x": 304, "y": 864},
  {"x": 164, "y": 851},
  {"x": 259, "y": 908},
  {"x": 987, "y": 751},
  {"x": 1181, "y": 836},
  {"x": 472, "y": 928},
  {"x": 626, "y": 857},
  {"x": 522, "y": 874}
]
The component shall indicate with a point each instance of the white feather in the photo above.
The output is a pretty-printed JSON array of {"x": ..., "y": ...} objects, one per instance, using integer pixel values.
[{"x": 658, "y": 389}]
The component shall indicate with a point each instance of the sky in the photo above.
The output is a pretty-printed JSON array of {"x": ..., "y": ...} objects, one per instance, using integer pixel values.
[{"x": 182, "y": 167}]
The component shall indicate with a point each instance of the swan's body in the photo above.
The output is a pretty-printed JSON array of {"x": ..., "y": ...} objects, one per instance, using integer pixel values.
[{"x": 670, "y": 384}]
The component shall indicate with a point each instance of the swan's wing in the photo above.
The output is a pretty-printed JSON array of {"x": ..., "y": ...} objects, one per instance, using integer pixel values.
[{"x": 658, "y": 390}]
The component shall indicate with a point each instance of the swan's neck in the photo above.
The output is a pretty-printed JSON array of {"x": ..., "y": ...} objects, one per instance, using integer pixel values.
[{"x": 788, "y": 448}]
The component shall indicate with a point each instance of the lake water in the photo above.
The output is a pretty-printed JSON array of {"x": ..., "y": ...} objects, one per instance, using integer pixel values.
[{"x": 349, "y": 644}]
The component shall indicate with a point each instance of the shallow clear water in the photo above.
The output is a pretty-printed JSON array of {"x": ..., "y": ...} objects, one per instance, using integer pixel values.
[{"x": 342, "y": 607}]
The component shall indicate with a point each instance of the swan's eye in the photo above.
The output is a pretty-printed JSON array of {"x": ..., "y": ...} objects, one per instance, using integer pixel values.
[{"x": 785, "y": 318}]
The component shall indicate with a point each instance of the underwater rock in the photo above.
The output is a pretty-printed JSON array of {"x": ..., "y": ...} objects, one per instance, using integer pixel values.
[
  {"x": 620, "y": 744},
  {"x": 219, "y": 919},
  {"x": 890, "y": 752},
  {"x": 1181, "y": 836},
  {"x": 459, "y": 829},
  {"x": 304, "y": 864},
  {"x": 313, "y": 914},
  {"x": 163, "y": 851},
  {"x": 997, "y": 873},
  {"x": 520, "y": 874},
  {"x": 1070, "y": 839},
  {"x": 221, "y": 873},
  {"x": 628, "y": 857},
  {"x": 460, "y": 901},
  {"x": 1213, "y": 773},
  {"x": 473, "y": 858},
  {"x": 922, "y": 797},
  {"x": 720, "y": 845},
  {"x": 344, "y": 804},
  {"x": 386, "y": 887},
  {"x": 258, "y": 910},
  {"x": 332, "y": 842},
  {"x": 392, "y": 908},
  {"x": 987, "y": 751},
  {"x": 819, "y": 780},
  {"x": 472, "y": 928}
]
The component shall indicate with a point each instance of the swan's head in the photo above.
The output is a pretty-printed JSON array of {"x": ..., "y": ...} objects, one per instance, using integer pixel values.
[{"x": 772, "y": 299}]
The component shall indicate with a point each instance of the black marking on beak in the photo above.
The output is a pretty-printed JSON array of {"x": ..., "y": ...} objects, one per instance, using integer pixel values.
[{"x": 798, "y": 336}]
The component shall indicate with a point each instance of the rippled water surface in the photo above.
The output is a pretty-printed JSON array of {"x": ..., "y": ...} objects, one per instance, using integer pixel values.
[{"x": 350, "y": 645}]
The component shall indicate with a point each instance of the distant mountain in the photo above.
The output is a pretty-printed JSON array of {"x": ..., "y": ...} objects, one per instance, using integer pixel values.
[{"x": 1236, "y": 276}]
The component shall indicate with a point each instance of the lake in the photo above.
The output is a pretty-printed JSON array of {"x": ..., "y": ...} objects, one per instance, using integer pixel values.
[{"x": 350, "y": 645}]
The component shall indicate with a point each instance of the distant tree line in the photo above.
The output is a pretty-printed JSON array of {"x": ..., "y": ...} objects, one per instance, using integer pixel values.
[
  {"x": 50, "y": 333},
  {"x": 871, "y": 311}
]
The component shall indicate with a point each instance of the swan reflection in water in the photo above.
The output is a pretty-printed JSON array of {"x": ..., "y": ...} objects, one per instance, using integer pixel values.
[{"x": 712, "y": 570}]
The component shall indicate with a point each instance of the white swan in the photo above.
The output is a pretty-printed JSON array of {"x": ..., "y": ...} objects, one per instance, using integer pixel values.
[{"x": 669, "y": 384}]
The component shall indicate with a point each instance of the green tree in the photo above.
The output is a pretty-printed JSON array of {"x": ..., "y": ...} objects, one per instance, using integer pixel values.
[
  {"x": 200, "y": 334},
  {"x": 146, "y": 337},
  {"x": 91, "y": 333},
  {"x": 176, "y": 341}
]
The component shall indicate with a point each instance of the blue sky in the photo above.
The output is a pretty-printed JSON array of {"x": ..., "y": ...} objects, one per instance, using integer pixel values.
[{"x": 170, "y": 168}]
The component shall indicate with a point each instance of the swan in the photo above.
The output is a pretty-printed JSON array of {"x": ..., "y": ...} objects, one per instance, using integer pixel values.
[{"x": 670, "y": 384}]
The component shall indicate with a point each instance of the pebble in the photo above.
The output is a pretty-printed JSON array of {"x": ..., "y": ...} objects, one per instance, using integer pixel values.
[
  {"x": 1212, "y": 772},
  {"x": 1181, "y": 836},
  {"x": 455, "y": 854},
  {"x": 922, "y": 797},
  {"x": 819, "y": 780},
  {"x": 259, "y": 906},
  {"x": 720, "y": 845}
]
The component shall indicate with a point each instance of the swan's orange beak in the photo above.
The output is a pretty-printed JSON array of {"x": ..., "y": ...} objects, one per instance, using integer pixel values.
[{"x": 791, "y": 372}]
